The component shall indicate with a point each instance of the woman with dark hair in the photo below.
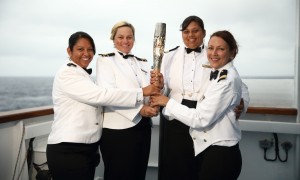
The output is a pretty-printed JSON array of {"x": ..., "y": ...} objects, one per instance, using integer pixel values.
[
  {"x": 73, "y": 144},
  {"x": 213, "y": 127},
  {"x": 186, "y": 77}
]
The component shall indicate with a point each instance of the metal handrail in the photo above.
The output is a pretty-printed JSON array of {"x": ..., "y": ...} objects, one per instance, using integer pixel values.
[{"x": 16, "y": 115}]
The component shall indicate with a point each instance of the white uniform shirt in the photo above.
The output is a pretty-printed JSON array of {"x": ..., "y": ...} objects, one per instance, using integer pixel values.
[
  {"x": 184, "y": 76},
  {"x": 77, "y": 105},
  {"x": 180, "y": 80},
  {"x": 213, "y": 121},
  {"x": 191, "y": 72},
  {"x": 116, "y": 72}
]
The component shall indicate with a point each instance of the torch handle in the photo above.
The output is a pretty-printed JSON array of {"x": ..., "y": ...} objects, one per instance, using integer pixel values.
[{"x": 156, "y": 71}]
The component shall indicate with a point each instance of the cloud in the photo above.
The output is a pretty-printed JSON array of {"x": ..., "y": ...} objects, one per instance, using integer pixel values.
[{"x": 36, "y": 32}]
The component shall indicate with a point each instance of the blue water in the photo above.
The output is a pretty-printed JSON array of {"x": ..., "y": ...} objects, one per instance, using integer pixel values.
[{"x": 25, "y": 92}]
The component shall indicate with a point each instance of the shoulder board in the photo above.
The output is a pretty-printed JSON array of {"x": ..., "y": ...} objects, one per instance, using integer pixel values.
[
  {"x": 223, "y": 75},
  {"x": 71, "y": 64},
  {"x": 140, "y": 59},
  {"x": 206, "y": 65},
  {"x": 172, "y": 49},
  {"x": 107, "y": 55}
]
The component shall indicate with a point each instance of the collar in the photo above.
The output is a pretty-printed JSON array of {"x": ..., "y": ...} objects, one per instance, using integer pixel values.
[
  {"x": 73, "y": 64},
  {"x": 198, "y": 49},
  {"x": 226, "y": 66}
]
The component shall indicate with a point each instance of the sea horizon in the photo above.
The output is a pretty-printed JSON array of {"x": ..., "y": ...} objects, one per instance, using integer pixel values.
[
  {"x": 25, "y": 92},
  {"x": 21, "y": 92}
]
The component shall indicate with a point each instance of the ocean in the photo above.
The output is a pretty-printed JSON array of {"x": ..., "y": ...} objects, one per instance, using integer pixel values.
[{"x": 25, "y": 92}]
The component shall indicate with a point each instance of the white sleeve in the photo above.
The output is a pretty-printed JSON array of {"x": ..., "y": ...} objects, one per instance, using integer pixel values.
[
  {"x": 246, "y": 97},
  {"x": 82, "y": 89},
  {"x": 219, "y": 99}
]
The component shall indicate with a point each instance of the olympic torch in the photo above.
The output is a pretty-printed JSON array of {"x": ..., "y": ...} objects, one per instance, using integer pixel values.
[
  {"x": 158, "y": 53},
  {"x": 158, "y": 45}
]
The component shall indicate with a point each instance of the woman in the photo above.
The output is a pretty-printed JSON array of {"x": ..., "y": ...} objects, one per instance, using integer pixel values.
[
  {"x": 72, "y": 150},
  {"x": 126, "y": 137},
  {"x": 186, "y": 79},
  {"x": 214, "y": 129}
]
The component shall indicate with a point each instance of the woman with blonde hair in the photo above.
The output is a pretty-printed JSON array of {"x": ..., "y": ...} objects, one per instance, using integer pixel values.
[{"x": 126, "y": 138}]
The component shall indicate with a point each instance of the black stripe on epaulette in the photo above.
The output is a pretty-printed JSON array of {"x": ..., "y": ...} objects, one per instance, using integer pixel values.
[
  {"x": 71, "y": 64},
  {"x": 140, "y": 59},
  {"x": 172, "y": 49},
  {"x": 107, "y": 55},
  {"x": 223, "y": 75}
]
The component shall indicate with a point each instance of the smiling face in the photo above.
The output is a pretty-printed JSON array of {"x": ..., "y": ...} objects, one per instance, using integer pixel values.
[
  {"x": 82, "y": 52},
  {"x": 193, "y": 35},
  {"x": 218, "y": 52},
  {"x": 124, "y": 39}
]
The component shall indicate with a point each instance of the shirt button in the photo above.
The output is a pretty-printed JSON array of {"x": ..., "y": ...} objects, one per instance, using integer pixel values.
[
  {"x": 204, "y": 140},
  {"x": 204, "y": 131},
  {"x": 194, "y": 138},
  {"x": 97, "y": 123}
]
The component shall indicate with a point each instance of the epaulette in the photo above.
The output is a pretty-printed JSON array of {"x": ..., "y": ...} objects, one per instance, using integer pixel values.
[
  {"x": 206, "y": 65},
  {"x": 71, "y": 64},
  {"x": 140, "y": 59},
  {"x": 172, "y": 49},
  {"x": 223, "y": 75},
  {"x": 107, "y": 55}
]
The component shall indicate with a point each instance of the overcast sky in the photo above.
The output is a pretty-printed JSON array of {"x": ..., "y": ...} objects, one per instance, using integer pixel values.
[{"x": 34, "y": 33}]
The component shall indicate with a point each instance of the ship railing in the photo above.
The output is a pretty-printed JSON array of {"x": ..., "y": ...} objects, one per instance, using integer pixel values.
[{"x": 18, "y": 126}]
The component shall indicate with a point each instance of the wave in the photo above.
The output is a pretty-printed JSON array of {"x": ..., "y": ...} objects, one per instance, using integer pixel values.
[{"x": 25, "y": 92}]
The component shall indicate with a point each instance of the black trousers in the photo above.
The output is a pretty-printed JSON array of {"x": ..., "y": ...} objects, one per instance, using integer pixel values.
[
  {"x": 177, "y": 158},
  {"x": 74, "y": 161},
  {"x": 125, "y": 152},
  {"x": 219, "y": 162}
]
